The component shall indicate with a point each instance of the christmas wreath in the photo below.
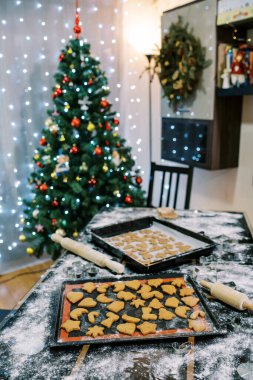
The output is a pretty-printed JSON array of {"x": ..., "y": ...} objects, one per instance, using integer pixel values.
[{"x": 180, "y": 64}]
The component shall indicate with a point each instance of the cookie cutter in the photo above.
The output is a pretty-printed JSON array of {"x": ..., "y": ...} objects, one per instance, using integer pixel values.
[{"x": 181, "y": 348}]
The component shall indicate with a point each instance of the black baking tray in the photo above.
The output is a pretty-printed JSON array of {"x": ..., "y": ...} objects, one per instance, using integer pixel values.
[
  {"x": 101, "y": 233},
  {"x": 177, "y": 325}
]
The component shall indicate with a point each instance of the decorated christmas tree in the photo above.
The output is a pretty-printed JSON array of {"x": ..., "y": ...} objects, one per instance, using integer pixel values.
[{"x": 82, "y": 162}]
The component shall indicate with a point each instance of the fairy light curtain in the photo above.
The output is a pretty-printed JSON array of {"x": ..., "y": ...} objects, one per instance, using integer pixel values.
[{"x": 32, "y": 33}]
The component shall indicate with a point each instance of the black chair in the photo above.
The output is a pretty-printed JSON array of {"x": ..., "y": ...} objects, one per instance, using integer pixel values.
[{"x": 170, "y": 183}]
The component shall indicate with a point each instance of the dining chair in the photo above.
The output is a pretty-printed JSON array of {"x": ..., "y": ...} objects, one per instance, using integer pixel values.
[{"x": 171, "y": 180}]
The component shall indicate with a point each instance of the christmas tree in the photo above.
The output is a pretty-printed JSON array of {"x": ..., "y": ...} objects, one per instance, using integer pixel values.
[{"x": 82, "y": 162}]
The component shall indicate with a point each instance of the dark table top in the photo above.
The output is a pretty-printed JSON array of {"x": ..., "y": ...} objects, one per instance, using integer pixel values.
[{"x": 24, "y": 336}]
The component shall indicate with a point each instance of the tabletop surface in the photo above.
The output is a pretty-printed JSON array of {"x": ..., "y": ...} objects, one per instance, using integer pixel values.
[{"x": 24, "y": 336}]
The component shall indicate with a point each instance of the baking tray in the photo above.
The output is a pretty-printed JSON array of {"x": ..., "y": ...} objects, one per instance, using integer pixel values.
[
  {"x": 200, "y": 245},
  {"x": 176, "y": 328}
]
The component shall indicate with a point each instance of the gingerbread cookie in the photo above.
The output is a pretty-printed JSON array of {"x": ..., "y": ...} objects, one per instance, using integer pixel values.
[
  {"x": 155, "y": 304},
  {"x": 169, "y": 289},
  {"x": 107, "y": 322},
  {"x": 186, "y": 292},
  {"x": 181, "y": 311},
  {"x": 76, "y": 313},
  {"x": 178, "y": 282},
  {"x": 157, "y": 294},
  {"x": 129, "y": 318},
  {"x": 198, "y": 325},
  {"x": 147, "y": 315},
  {"x": 165, "y": 314},
  {"x": 147, "y": 328},
  {"x": 172, "y": 302},
  {"x": 134, "y": 284},
  {"x": 103, "y": 288},
  {"x": 89, "y": 287},
  {"x": 71, "y": 325},
  {"x": 116, "y": 306},
  {"x": 126, "y": 328},
  {"x": 155, "y": 282},
  {"x": 197, "y": 313},
  {"x": 119, "y": 286},
  {"x": 95, "y": 331},
  {"x": 146, "y": 295},
  {"x": 112, "y": 316},
  {"x": 145, "y": 288},
  {"x": 137, "y": 303},
  {"x": 126, "y": 296},
  {"x": 92, "y": 316},
  {"x": 74, "y": 297},
  {"x": 87, "y": 302},
  {"x": 103, "y": 299},
  {"x": 190, "y": 301}
]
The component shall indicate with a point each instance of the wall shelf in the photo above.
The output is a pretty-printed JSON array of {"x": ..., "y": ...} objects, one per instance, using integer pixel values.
[{"x": 235, "y": 91}]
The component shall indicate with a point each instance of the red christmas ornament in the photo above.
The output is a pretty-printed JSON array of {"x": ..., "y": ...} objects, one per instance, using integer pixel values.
[
  {"x": 75, "y": 122},
  {"x": 39, "y": 164},
  {"x": 61, "y": 57},
  {"x": 65, "y": 79},
  {"x": 74, "y": 149},
  {"x": 54, "y": 221},
  {"x": 55, "y": 203},
  {"x": 107, "y": 126},
  {"x": 43, "y": 141},
  {"x": 124, "y": 177},
  {"x": 138, "y": 180},
  {"x": 77, "y": 29},
  {"x": 92, "y": 182},
  {"x": 43, "y": 187},
  {"x": 57, "y": 92},
  {"x": 128, "y": 199},
  {"x": 104, "y": 103},
  {"x": 107, "y": 143},
  {"x": 118, "y": 144},
  {"x": 90, "y": 82},
  {"x": 101, "y": 125},
  {"x": 98, "y": 151},
  {"x": 116, "y": 121}
]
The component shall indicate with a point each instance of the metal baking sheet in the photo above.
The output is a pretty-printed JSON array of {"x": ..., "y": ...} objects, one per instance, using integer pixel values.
[
  {"x": 199, "y": 244},
  {"x": 175, "y": 328}
]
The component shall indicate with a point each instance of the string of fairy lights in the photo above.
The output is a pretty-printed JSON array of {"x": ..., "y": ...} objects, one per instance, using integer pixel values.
[{"x": 27, "y": 71}]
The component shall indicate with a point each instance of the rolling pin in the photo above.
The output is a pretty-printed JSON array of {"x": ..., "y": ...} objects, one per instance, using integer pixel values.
[
  {"x": 88, "y": 253},
  {"x": 227, "y": 295}
]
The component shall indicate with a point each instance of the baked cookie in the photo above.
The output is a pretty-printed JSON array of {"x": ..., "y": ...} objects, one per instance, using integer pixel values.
[
  {"x": 178, "y": 282},
  {"x": 155, "y": 304},
  {"x": 71, "y": 325},
  {"x": 134, "y": 284},
  {"x": 181, "y": 311},
  {"x": 190, "y": 301},
  {"x": 147, "y": 328},
  {"x": 157, "y": 294},
  {"x": 155, "y": 282},
  {"x": 107, "y": 322},
  {"x": 89, "y": 287},
  {"x": 116, "y": 306},
  {"x": 87, "y": 302},
  {"x": 126, "y": 296},
  {"x": 137, "y": 303},
  {"x": 112, "y": 316},
  {"x": 165, "y": 314},
  {"x": 146, "y": 295},
  {"x": 126, "y": 328},
  {"x": 118, "y": 287},
  {"x": 198, "y": 325},
  {"x": 103, "y": 299},
  {"x": 92, "y": 316},
  {"x": 197, "y": 313},
  {"x": 95, "y": 331},
  {"x": 147, "y": 315},
  {"x": 103, "y": 288},
  {"x": 186, "y": 292},
  {"x": 169, "y": 289},
  {"x": 129, "y": 318},
  {"x": 74, "y": 297},
  {"x": 76, "y": 313},
  {"x": 172, "y": 302}
]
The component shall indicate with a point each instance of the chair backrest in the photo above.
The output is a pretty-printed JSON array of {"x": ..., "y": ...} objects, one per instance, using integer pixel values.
[{"x": 170, "y": 177}]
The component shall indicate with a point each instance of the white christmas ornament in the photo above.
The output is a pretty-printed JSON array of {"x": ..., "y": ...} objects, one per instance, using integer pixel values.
[{"x": 35, "y": 213}]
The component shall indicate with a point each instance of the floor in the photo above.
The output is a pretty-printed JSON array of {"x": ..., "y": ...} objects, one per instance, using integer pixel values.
[{"x": 15, "y": 285}]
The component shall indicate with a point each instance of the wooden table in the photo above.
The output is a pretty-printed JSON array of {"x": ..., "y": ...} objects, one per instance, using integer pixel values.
[{"x": 24, "y": 349}]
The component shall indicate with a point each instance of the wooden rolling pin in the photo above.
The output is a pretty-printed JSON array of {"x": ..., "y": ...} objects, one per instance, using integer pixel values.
[
  {"x": 227, "y": 295},
  {"x": 88, "y": 253}
]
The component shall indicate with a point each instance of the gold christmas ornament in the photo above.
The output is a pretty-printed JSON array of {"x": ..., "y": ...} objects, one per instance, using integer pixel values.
[
  {"x": 22, "y": 220},
  {"x": 62, "y": 138},
  {"x": 115, "y": 134},
  {"x": 84, "y": 167},
  {"x": 116, "y": 192},
  {"x": 65, "y": 179},
  {"x": 53, "y": 175},
  {"x": 72, "y": 66},
  {"x": 123, "y": 159},
  {"x": 58, "y": 85},
  {"x": 36, "y": 156},
  {"x": 75, "y": 234},
  {"x": 48, "y": 122},
  {"x": 78, "y": 179},
  {"x": 22, "y": 238},
  {"x": 30, "y": 251},
  {"x": 70, "y": 51},
  {"x": 105, "y": 168},
  {"x": 90, "y": 126}
]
